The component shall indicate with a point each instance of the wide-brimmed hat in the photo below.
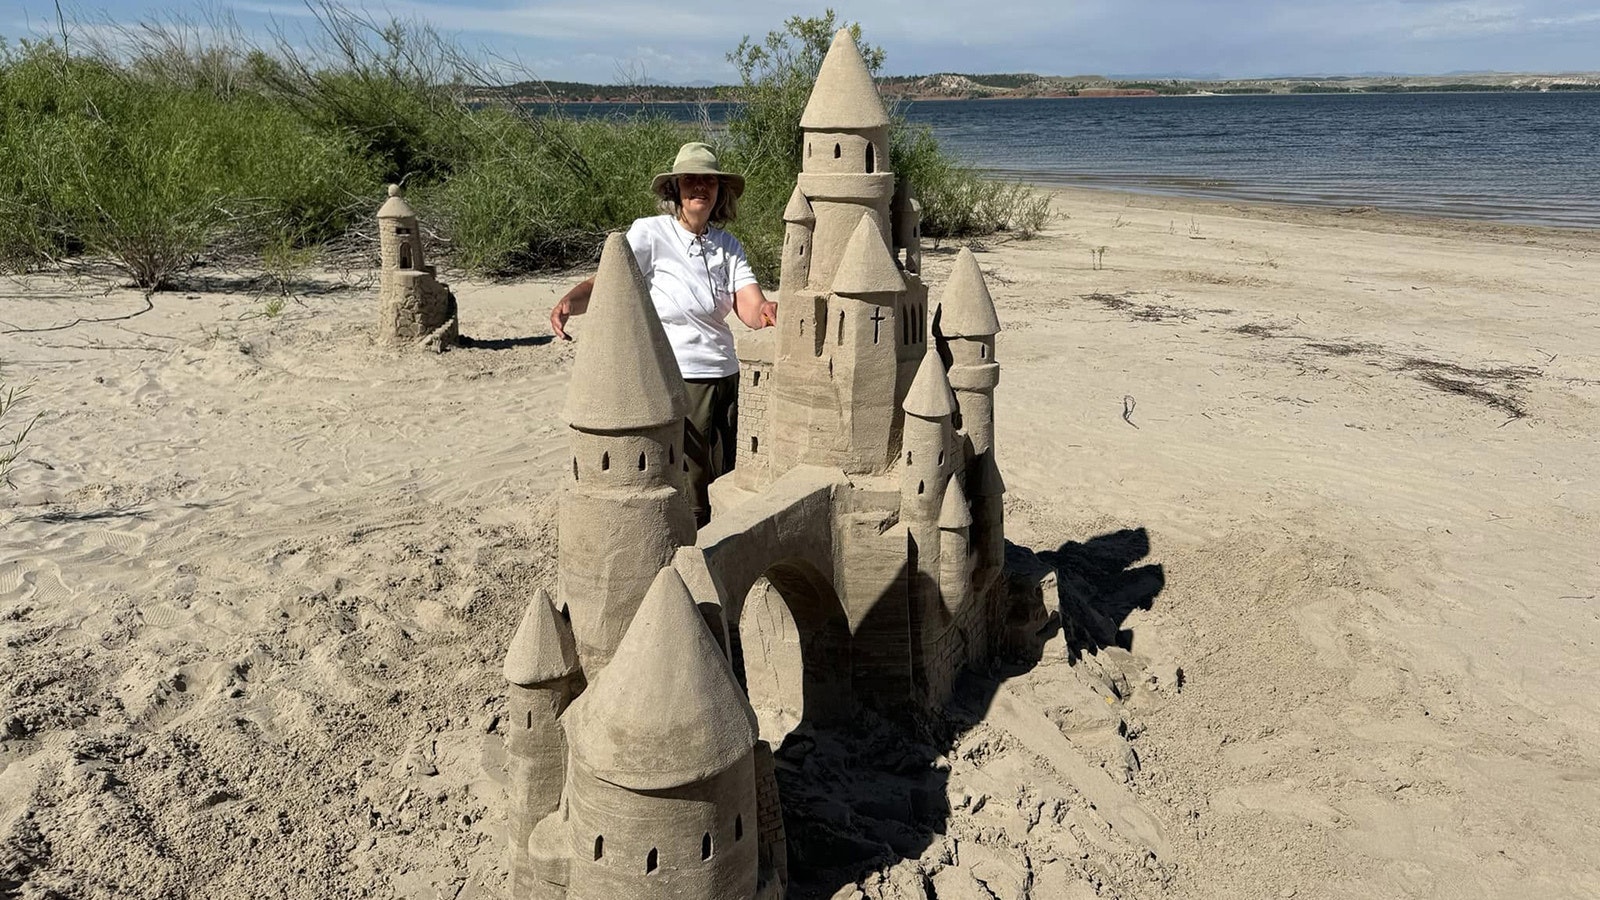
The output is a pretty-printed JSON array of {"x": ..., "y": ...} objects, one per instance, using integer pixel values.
[{"x": 695, "y": 158}]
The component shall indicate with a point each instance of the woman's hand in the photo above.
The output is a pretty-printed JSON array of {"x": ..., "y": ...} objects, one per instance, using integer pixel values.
[
  {"x": 573, "y": 303},
  {"x": 753, "y": 308}
]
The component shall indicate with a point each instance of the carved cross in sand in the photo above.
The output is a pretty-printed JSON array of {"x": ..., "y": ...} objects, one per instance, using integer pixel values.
[{"x": 877, "y": 317}]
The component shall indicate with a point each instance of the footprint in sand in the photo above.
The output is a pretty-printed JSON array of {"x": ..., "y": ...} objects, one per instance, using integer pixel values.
[{"x": 126, "y": 543}]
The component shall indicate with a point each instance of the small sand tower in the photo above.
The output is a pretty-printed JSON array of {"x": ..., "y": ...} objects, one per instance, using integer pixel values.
[{"x": 413, "y": 305}]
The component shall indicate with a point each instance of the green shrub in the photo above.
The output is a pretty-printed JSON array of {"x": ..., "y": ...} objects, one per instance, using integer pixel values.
[
  {"x": 166, "y": 145},
  {"x": 96, "y": 161},
  {"x": 543, "y": 192},
  {"x": 956, "y": 200}
]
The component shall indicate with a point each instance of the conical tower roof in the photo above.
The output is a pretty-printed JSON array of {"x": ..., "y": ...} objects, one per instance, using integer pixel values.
[
  {"x": 396, "y": 206},
  {"x": 542, "y": 650},
  {"x": 625, "y": 376},
  {"x": 968, "y": 309},
  {"x": 844, "y": 97},
  {"x": 799, "y": 209},
  {"x": 929, "y": 396},
  {"x": 666, "y": 711},
  {"x": 954, "y": 514},
  {"x": 867, "y": 266}
]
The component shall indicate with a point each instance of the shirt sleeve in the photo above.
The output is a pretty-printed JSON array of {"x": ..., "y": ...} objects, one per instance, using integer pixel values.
[
  {"x": 639, "y": 239},
  {"x": 742, "y": 276}
]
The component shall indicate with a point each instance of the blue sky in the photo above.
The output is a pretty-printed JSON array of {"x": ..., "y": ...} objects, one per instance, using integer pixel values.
[{"x": 685, "y": 40}]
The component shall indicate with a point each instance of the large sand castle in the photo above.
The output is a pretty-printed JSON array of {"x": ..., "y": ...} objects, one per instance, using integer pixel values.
[{"x": 866, "y": 501}]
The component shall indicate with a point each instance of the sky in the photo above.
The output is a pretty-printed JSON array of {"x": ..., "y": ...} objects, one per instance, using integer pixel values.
[{"x": 686, "y": 41}]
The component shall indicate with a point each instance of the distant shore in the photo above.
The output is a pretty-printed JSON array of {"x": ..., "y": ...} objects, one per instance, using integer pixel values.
[{"x": 954, "y": 86}]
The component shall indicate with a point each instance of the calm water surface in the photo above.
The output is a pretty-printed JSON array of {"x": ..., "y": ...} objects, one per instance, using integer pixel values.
[
  {"x": 1531, "y": 158},
  {"x": 1523, "y": 157}
]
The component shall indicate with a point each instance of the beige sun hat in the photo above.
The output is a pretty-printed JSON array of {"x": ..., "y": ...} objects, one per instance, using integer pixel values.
[{"x": 695, "y": 158}]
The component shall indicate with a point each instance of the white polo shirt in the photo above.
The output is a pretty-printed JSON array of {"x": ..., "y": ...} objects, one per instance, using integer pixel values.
[{"x": 692, "y": 282}]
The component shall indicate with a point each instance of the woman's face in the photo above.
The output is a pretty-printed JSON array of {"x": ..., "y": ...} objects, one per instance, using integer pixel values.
[{"x": 697, "y": 194}]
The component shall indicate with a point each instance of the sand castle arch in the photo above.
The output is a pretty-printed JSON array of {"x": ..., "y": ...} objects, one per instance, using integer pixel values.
[{"x": 789, "y": 632}]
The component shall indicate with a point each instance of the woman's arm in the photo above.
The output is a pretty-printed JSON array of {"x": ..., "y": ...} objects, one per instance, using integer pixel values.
[
  {"x": 753, "y": 308},
  {"x": 573, "y": 303}
]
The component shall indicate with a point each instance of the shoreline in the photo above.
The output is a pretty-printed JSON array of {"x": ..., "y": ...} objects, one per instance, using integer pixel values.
[{"x": 1368, "y": 217}]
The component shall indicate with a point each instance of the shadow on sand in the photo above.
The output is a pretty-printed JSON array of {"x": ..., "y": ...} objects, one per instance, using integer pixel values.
[
  {"x": 860, "y": 798},
  {"x": 538, "y": 340}
]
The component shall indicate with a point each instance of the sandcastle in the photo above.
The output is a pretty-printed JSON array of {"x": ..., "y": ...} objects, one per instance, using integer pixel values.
[
  {"x": 864, "y": 515},
  {"x": 414, "y": 306}
]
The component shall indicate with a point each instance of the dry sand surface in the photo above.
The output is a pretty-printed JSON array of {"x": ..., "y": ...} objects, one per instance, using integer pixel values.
[{"x": 1334, "y": 475}]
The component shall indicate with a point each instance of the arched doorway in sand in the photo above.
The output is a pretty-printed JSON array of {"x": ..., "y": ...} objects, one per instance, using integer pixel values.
[{"x": 791, "y": 649}]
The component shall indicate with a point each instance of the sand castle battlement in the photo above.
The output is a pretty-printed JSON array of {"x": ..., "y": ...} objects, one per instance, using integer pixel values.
[{"x": 865, "y": 513}]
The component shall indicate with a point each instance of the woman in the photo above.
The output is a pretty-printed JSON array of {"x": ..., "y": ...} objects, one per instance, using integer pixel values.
[{"x": 697, "y": 274}]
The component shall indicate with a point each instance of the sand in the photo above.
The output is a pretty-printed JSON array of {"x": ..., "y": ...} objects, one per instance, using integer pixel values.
[{"x": 1324, "y": 487}]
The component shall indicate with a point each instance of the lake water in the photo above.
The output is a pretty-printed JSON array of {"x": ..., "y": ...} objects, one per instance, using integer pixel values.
[{"x": 1514, "y": 157}]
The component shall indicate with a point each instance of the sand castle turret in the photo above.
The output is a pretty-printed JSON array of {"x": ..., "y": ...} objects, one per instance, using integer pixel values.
[
  {"x": 955, "y": 550},
  {"x": 627, "y": 511},
  {"x": 844, "y": 169},
  {"x": 542, "y": 669},
  {"x": 413, "y": 305},
  {"x": 967, "y": 329},
  {"x": 905, "y": 214},
  {"x": 844, "y": 180},
  {"x": 863, "y": 315},
  {"x": 926, "y": 465},
  {"x": 799, "y": 225},
  {"x": 661, "y": 801},
  {"x": 927, "y": 458}
]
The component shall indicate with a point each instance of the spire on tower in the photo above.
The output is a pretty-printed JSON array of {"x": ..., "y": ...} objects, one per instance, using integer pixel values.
[
  {"x": 967, "y": 308},
  {"x": 667, "y": 710},
  {"x": 396, "y": 206},
  {"x": 930, "y": 396},
  {"x": 844, "y": 97},
  {"x": 954, "y": 514},
  {"x": 542, "y": 650},
  {"x": 867, "y": 267},
  {"x": 625, "y": 376},
  {"x": 799, "y": 209}
]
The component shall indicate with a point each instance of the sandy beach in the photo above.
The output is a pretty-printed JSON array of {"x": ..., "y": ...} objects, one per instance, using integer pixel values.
[{"x": 1329, "y": 479}]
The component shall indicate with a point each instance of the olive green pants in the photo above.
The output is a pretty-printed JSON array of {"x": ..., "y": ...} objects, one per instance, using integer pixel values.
[{"x": 710, "y": 436}]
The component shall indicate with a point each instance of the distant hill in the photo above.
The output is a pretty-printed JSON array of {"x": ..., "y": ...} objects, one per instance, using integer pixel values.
[{"x": 954, "y": 85}]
